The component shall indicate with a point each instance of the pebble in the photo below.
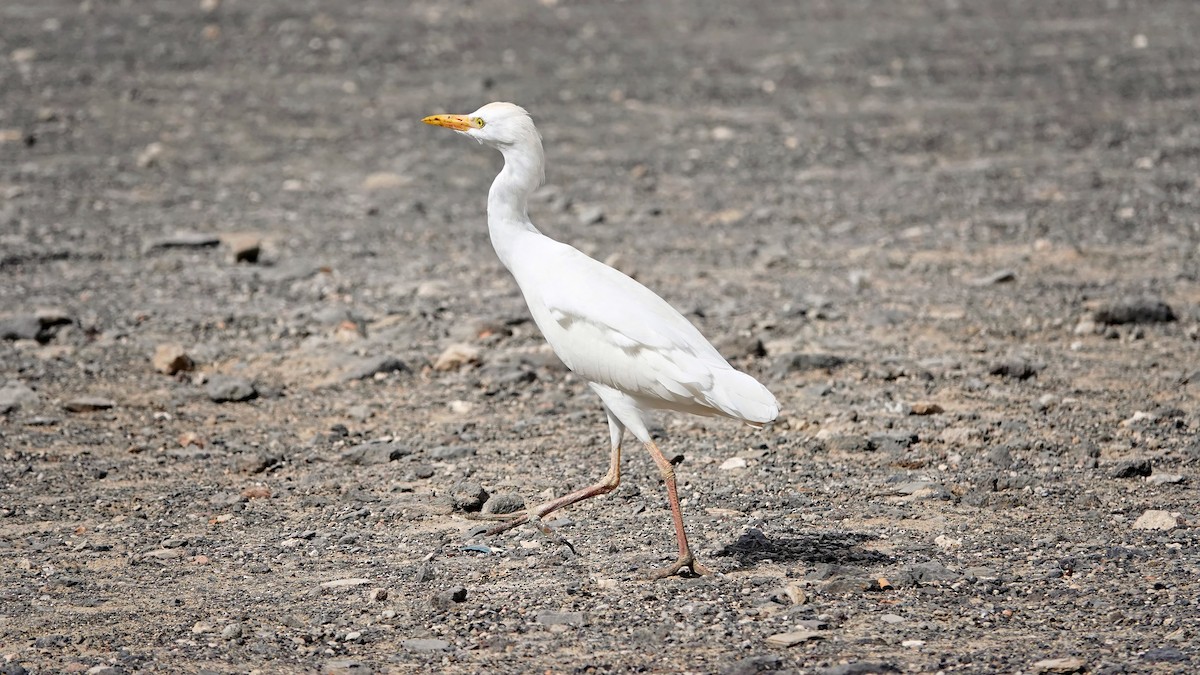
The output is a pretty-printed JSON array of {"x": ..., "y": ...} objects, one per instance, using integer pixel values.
[
  {"x": 232, "y": 631},
  {"x": 947, "y": 543},
  {"x": 201, "y": 627},
  {"x": 921, "y": 574},
  {"x": 733, "y": 463},
  {"x": 456, "y": 356},
  {"x": 384, "y": 180},
  {"x": 591, "y": 215},
  {"x": 794, "y": 638},
  {"x": 1165, "y": 654},
  {"x": 15, "y": 394},
  {"x": 891, "y": 618},
  {"x": 799, "y": 362},
  {"x": 859, "y": 668},
  {"x": 922, "y": 489},
  {"x": 504, "y": 502},
  {"x": 345, "y": 667},
  {"x": 450, "y": 453},
  {"x": 170, "y": 358},
  {"x": 104, "y": 669},
  {"x": 1069, "y": 664},
  {"x": 361, "y": 369},
  {"x": 999, "y": 277},
  {"x": 1137, "y": 310},
  {"x": 229, "y": 389},
  {"x": 913, "y": 644},
  {"x": 88, "y": 404},
  {"x": 1017, "y": 369},
  {"x": 1166, "y": 478},
  {"x": 1157, "y": 520},
  {"x": 1131, "y": 468},
  {"x": 450, "y": 596},
  {"x": 244, "y": 247},
  {"x": 467, "y": 496},
  {"x": 923, "y": 408},
  {"x": 562, "y": 618},
  {"x": 847, "y": 443},
  {"x": 375, "y": 453},
  {"x": 378, "y": 595},
  {"x": 20, "y": 327},
  {"x": 425, "y": 645}
]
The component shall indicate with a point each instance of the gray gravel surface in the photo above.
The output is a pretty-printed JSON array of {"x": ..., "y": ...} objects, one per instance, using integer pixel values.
[{"x": 959, "y": 240}]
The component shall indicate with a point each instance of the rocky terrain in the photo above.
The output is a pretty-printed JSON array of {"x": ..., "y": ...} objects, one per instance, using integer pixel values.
[{"x": 260, "y": 370}]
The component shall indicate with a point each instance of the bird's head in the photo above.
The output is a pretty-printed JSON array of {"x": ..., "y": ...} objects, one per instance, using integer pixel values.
[{"x": 496, "y": 124}]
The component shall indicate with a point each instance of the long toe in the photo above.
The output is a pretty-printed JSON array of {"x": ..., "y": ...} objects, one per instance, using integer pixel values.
[
  {"x": 520, "y": 519},
  {"x": 687, "y": 562}
]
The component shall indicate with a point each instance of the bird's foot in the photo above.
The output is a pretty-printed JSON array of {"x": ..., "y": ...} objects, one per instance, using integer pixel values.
[
  {"x": 551, "y": 533},
  {"x": 687, "y": 562},
  {"x": 504, "y": 517}
]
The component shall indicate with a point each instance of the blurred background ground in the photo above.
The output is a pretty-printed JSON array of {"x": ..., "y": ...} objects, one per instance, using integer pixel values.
[{"x": 258, "y": 361}]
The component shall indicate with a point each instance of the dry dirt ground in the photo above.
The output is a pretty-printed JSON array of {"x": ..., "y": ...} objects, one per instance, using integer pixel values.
[{"x": 959, "y": 240}]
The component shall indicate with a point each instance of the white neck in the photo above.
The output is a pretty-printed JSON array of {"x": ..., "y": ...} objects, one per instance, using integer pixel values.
[{"x": 507, "y": 208}]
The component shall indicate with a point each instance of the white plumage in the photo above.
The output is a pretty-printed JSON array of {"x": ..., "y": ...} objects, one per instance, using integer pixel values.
[{"x": 636, "y": 351}]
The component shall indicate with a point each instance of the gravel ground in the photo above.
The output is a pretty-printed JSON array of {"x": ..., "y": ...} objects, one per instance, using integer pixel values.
[{"x": 258, "y": 364}]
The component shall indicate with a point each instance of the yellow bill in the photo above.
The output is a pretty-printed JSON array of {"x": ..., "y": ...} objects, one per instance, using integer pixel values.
[{"x": 455, "y": 122}]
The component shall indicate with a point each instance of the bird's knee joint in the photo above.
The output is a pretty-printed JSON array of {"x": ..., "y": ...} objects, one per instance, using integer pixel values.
[{"x": 667, "y": 473}]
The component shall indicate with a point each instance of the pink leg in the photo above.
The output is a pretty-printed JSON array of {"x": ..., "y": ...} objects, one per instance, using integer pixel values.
[{"x": 685, "y": 555}]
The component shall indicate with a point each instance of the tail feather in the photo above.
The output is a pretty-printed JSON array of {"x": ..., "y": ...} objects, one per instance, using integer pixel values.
[{"x": 742, "y": 397}]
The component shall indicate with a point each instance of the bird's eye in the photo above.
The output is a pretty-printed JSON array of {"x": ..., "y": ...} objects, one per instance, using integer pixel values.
[{"x": 478, "y": 122}]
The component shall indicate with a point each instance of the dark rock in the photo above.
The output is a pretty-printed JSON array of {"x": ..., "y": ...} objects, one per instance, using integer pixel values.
[
  {"x": 345, "y": 667},
  {"x": 13, "y": 669},
  {"x": 798, "y": 363},
  {"x": 562, "y": 618},
  {"x": 1165, "y": 655},
  {"x": 375, "y": 453},
  {"x": 1142, "y": 310},
  {"x": 229, "y": 389},
  {"x": 1018, "y": 369},
  {"x": 467, "y": 496},
  {"x": 361, "y": 369},
  {"x": 447, "y": 453},
  {"x": 504, "y": 502},
  {"x": 922, "y": 574},
  {"x": 893, "y": 441},
  {"x": 450, "y": 596},
  {"x": 751, "y": 665},
  {"x": 1132, "y": 468},
  {"x": 847, "y": 444},
  {"x": 1000, "y": 456},
  {"x": 425, "y": 645}
]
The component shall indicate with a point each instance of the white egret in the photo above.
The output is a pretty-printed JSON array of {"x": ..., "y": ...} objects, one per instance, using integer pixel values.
[{"x": 635, "y": 351}]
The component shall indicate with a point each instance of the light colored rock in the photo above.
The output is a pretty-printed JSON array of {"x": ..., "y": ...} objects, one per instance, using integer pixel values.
[
  {"x": 1153, "y": 479},
  {"x": 913, "y": 644},
  {"x": 384, "y": 180},
  {"x": 1069, "y": 664},
  {"x": 733, "y": 463},
  {"x": 15, "y": 394},
  {"x": 456, "y": 356},
  {"x": 88, "y": 404},
  {"x": 170, "y": 358},
  {"x": 794, "y": 638},
  {"x": 345, "y": 583},
  {"x": 1157, "y": 520},
  {"x": 947, "y": 543}
]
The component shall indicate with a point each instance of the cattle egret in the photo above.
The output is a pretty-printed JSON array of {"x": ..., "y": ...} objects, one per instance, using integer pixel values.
[{"x": 634, "y": 350}]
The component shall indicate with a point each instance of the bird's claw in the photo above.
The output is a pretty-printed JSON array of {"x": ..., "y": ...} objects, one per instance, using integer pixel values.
[
  {"x": 687, "y": 562},
  {"x": 550, "y": 533}
]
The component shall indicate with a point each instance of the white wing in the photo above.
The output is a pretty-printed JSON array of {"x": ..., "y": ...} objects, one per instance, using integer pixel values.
[{"x": 610, "y": 329}]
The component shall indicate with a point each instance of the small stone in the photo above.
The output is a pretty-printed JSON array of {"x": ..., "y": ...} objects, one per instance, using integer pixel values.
[
  {"x": 256, "y": 492},
  {"x": 15, "y": 394},
  {"x": 361, "y": 369},
  {"x": 913, "y": 644},
  {"x": 733, "y": 463},
  {"x": 450, "y": 453},
  {"x": 859, "y": 668},
  {"x": 1157, "y": 520},
  {"x": 922, "y": 574},
  {"x": 591, "y": 215},
  {"x": 244, "y": 247},
  {"x": 923, "y": 408},
  {"x": 456, "y": 356},
  {"x": 794, "y": 638},
  {"x": 1137, "y": 310},
  {"x": 1165, "y": 655},
  {"x": 201, "y": 627},
  {"x": 796, "y": 593},
  {"x": 799, "y": 363},
  {"x": 503, "y": 502},
  {"x": 149, "y": 155},
  {"x": 891, "y": 618},
  {"x": 1139, "y": 418},
  {"x": 378, "y": 595},
  {"x": 1131, "y": 468},
  {"x": 922, "y": 489},
  {"x": 375, "y": 453},
  {"x": 450, "y": 596},
  {"x": 170, "y": 358},
  {"x": 947, "y": 543},
  {"x": 1166, "y": 479},
  {"x": 384, "y": 180},
  {"x": 20, "y": 327},
  {"x": 104, "y": 669},
  {"x": 1062, "y": 665},
  {"x": 847, "y": 443},
  {"x": 425, "y": 645},
  {"x": 88, "y": 404},
  {"x": 562, "y": 618},
  {"x": 1086, "y": 326},
  {"x": 232, "y": 631},
  {"x": 1017, "y": 369},
  {"x": 345, "y": 583},
  {"x": 229, "y": 389},
  {"x": 345, "y": 667},
  {"x": 467, "y": 496}
]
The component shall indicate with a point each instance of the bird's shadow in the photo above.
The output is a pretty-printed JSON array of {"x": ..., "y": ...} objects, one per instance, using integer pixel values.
[{"x": 818, "y": 547}]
